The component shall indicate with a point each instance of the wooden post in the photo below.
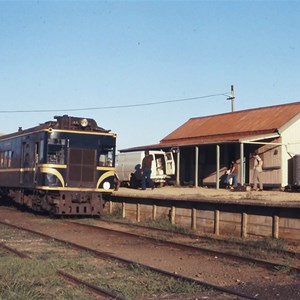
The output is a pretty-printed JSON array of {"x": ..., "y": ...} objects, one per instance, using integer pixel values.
[
  {"x": 242, "y": 170},
  {"x": 123, "y": 210},
  {"x": 196, "y": 165},
  {"x": 138, "y": 212},
  {"x": 218, "y": 166},
  {"x": 244, "y": 232},
  {"x": 154, "y": 210},
  {"x": 194, "y": 219},
  {"x": 173, "y": 214},
  {"x": 217, "y": 222},
  {"x": 275, "y": 227},
  {"x": 178, "y": 168}
]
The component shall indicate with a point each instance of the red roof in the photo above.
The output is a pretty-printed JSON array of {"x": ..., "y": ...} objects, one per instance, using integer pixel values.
[{"x": 232, "y": 126}]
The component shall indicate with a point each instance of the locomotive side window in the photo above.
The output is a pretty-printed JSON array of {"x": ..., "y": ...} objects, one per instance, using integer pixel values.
[
  {"x": 106, "y": 157},
  {"x": 56, "y": 151},
  {"x": 8, "y": 157},
  {"x": 41, "y": 151},
  {"x": 5, "y": 159},
  {"x": 1, "y": 159}
]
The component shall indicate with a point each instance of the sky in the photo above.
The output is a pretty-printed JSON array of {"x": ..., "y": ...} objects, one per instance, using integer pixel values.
[{"x": 144, "y": 68}]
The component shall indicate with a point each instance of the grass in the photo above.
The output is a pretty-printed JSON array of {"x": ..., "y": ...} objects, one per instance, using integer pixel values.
[
  {"x": 141, "y": 282},
  {"x": 271, "y": 244},
  {"x": 268, "y": 244},
  {"x": 163, "y": 223},
  {"x": 116, "y": 214},
  {"x": 284, "y": 269},
  {"x": 24, "y": 279},
  {"x": 262, "y": 248},
  {"x": 30, "y": 279}
]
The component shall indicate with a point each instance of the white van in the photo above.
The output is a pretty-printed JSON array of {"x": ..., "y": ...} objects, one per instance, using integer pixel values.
[{"x": 163, "y": 165}]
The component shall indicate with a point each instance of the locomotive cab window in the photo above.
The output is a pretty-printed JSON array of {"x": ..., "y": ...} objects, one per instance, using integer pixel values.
[
  {"x": 106, "y": 157},
  {"x": 56, "y": 151}
]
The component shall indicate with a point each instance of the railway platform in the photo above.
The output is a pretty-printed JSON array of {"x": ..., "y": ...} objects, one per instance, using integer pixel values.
[
  {"x": 214, "y": 195},
  {"x": 215, "y": 211}
]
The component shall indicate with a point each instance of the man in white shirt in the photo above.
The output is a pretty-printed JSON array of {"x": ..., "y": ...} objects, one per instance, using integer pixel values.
[{"x": 257, "y": 172}]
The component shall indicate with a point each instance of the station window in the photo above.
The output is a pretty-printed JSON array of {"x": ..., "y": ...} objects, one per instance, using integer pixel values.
[
  {"x": 56, "y": 151},
  {"x": 106, "y": 157}
]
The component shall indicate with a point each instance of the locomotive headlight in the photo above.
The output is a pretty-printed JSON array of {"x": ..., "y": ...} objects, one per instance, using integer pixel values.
[
  {"x": 106, "y": 185},
  {"x": 84, "y": 122}
]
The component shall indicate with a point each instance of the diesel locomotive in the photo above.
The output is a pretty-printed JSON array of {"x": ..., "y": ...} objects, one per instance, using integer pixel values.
[{"x": 64, "y": 167}]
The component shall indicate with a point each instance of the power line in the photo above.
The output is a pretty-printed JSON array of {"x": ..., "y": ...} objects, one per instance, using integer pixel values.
[{"x": 112, "y": 107}]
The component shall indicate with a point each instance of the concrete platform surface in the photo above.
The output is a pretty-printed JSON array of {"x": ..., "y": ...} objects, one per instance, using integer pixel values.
[{"x": 199, "y": 193}]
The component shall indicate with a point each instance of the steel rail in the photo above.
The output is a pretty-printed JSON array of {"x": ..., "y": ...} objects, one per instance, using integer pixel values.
[
  {"x": 95, "y": 289},
  {"x": 105, "y": 255},
  {"x": 14, "y": 251}
]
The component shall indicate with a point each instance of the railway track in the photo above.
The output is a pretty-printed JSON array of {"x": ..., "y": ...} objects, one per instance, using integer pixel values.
[
  {"x": 105, "y": 294},
  {"x": 205, "y": 250},
  {"x": 206, "y": 238},
  {"x": 104, "y": 255},
  {"x": 240, "y": 290}
]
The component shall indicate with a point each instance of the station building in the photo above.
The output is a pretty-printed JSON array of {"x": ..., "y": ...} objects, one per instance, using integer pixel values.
[{"x": 203, "y": 147}]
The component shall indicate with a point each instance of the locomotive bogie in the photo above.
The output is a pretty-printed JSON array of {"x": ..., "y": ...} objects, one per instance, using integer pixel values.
[
  {"x": 79, "y": 204},
  {"x": 59, "y": 167}
]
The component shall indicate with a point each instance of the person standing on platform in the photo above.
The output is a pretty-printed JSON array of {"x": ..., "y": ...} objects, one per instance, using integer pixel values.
[
  {"x": 146, "y": 170},
  {"x": 234, "y": 172},
  {"x": 257, "y": 172}
]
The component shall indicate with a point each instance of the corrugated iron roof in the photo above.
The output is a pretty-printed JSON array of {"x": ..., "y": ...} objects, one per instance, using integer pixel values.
[
  {"x": 141, "y": 148},
  {"x": 232, "y": 126}
]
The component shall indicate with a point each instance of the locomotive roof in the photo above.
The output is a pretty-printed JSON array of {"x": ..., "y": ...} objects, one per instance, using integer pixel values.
[{"x": 63, "y": 122}]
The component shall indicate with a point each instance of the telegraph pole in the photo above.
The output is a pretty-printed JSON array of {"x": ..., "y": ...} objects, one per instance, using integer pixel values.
[{"x": 231, "y": 98}]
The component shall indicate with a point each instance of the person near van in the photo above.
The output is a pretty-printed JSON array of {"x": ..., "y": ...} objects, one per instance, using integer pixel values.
[
  {"x": 257, "y": 172},
  {"x": 136, "y": 177},
  {"x": 146, "y": 171}
]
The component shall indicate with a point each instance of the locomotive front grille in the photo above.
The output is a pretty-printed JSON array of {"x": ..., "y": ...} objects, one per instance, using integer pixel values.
[{"x": 81, "y": 166}]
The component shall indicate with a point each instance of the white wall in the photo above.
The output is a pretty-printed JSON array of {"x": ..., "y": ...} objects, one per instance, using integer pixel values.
[{"x": 290, "y": 134}]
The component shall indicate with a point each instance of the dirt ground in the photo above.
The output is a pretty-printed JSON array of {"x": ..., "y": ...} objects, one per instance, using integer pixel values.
[{"x": 262, "y": 284}]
